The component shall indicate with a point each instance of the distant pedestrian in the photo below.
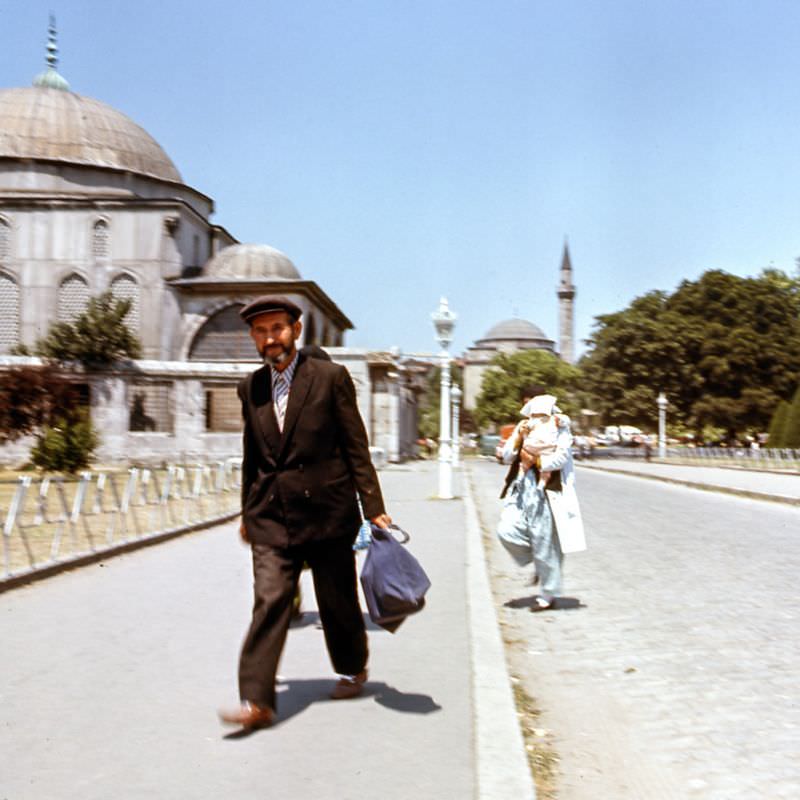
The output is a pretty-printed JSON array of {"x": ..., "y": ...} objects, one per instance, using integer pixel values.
[
  {"x": 541, "y": 517},
  {"x": 306, "y": 461}
]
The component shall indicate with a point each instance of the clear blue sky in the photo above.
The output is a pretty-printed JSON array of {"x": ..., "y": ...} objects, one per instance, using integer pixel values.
[{"x": 398, "y": 150}]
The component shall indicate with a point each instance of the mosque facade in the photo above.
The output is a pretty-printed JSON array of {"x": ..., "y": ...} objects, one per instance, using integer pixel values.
[{"x": 89, "y": 203}]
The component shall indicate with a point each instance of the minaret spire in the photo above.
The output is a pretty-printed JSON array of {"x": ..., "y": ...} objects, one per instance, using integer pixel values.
[
  {"x": 566, "y": 307},
  {"x": 50, "y": 79}
]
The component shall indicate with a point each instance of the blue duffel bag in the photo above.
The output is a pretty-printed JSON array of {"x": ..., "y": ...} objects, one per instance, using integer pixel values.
[{"x": 393, "y": 581}]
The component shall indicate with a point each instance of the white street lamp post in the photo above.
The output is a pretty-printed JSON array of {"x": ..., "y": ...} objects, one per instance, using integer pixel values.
[
  {"x": 455, "y": 397},
  {"x": 662, "y": 424},
  {"x": 444, "y": 321}
]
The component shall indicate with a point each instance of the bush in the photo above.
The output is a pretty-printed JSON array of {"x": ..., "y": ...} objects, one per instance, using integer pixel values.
[
  {"x": 777, "y": 427},
  {"x": 66, "y": 446},
  {"x": 791, "y": 431}
]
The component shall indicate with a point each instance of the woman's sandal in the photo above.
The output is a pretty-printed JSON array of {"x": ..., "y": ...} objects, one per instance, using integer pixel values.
[{"x": 540, "y": 604}]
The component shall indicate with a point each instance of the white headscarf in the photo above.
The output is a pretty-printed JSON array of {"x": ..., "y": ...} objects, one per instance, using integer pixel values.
[{"x": 541, "y": 404}]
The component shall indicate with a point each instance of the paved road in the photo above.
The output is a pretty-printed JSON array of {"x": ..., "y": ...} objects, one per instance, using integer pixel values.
[
  {"x": 111, "y": 675},
  {"x": 777, "y": 485},
  {"x": 677, "y": 675}
]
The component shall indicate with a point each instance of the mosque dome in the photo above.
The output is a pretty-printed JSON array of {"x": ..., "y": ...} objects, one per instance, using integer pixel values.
[
  {"x": 46, "y": 122},
  {"x": 514, "y": 330},
  {"x": 254, "y": 262}
]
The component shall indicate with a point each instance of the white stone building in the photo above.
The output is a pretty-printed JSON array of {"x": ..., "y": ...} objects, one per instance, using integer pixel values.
[{"x": 90, "y": 202}]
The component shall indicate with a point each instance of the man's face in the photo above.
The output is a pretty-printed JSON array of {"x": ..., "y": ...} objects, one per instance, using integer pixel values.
[{"x": 275, "y": 334}]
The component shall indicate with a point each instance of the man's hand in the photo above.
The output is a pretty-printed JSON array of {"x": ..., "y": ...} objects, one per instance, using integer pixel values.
[
  {"x": 382, "y": 521},
  {"x": 243, "y": 533}
]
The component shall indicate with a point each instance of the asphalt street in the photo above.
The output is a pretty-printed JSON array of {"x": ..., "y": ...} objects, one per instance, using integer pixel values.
[{"x": 673, "y": 670}]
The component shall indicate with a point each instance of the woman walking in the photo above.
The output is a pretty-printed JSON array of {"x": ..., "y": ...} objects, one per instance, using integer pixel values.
[{"x": 541, "y": 518}]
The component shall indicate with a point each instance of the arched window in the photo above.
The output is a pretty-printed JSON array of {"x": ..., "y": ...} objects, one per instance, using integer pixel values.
[
  {"x": 124, "y": 287},
  {"x": 223, "y": 337},
  {"x": 100, "y": 240},
  {"x": 73, "y": 296},
  {"x": 9, "y": 312},
  {"x": 5, "y": 240}
]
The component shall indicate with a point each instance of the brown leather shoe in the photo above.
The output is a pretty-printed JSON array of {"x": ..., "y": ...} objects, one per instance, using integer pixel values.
[
  {"x": 349, "y": 687},
  {"x": 248, "y": 716}
]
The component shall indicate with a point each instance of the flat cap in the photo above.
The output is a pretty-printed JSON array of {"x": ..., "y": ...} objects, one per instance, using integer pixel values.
[{"x": 267, "y": 303}]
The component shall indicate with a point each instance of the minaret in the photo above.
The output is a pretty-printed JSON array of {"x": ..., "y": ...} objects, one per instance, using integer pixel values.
[{"x": 566, "y": 299}]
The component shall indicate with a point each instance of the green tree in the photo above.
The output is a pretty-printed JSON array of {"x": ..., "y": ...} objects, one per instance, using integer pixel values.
[
  {"x": 724, "y": 349},
  {"x": 502, "y": 385},
  {"x": 777, "y": 426},
  {"x": 96, "y": 338},
  {"x": 791, "y": 431}
]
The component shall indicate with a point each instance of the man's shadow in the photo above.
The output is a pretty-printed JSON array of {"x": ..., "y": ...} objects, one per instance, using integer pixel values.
[
  {"x": 559, "y": 603},
  {"x": 295, "y": 696}
]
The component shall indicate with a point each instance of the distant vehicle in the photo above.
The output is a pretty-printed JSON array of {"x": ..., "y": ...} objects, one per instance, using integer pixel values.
[
  {"x": 620, "y": 434},
  {"x": 487, "y": 444}
]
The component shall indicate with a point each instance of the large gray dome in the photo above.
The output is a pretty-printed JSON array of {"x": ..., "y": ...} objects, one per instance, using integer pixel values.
[
  {"x": 51, "y": 124},
  {"x": 514, "y": 330},
  {"x": 253, "y": 262}
]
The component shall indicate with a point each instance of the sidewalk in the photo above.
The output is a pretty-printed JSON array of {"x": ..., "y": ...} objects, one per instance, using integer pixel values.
[
  {"x": 759, "y": 485},
  {"x": 113, "y": 673}
]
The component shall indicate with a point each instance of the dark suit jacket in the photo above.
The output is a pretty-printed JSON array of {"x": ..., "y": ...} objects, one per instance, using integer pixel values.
[{"x": 301, "y": 486}]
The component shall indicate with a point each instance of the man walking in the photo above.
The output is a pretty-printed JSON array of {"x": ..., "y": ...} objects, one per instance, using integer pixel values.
[{"x": 306, "y": 459}]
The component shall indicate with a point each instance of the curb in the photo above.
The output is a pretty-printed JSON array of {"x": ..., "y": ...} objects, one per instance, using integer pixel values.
[
  {"x": 705, "y": 487},
  {"x": 502, "y": 769},
  {"x": 86, "y": 559}
]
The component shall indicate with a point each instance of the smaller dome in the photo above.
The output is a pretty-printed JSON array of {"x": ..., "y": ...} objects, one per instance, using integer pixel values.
[
  {"x": 514, "y": 330},
  {"x": 254, "y": 262}
]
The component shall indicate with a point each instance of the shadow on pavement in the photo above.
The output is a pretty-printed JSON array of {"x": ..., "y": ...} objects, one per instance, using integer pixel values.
[
  {"x": 559, "y": 604},
  {"x": 298, "y": 695}
]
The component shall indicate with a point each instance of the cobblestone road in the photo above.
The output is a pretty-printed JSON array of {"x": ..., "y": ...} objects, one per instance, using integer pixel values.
[{"x": 675, "y": 673}]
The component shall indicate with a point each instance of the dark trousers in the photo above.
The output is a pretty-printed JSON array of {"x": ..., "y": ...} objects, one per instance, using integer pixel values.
[{"x": 276, "y": 572}]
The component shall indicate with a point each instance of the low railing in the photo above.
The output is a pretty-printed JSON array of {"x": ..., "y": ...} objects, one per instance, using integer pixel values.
[
  {"x": 48, "y": 521},
  {"x": 772, "y": 458},
  {"x": 762, "y": 457}
]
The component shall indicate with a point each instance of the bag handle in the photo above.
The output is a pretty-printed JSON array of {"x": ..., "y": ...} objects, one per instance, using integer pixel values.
[{"x": 383, "y": 532}]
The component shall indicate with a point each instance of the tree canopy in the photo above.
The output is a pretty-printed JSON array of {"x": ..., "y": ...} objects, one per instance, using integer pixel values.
[
  {"x": 499, "y": 399},
  {"x": 724, "y": 349}
]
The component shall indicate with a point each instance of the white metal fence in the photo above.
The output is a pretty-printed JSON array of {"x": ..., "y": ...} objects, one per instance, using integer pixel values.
[
  {"x": 768, "y": 458},
  {"x": 762, "y": 458},
  {"x": 48, "y": 521}
]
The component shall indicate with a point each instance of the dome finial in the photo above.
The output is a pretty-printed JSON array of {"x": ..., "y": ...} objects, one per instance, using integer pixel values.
[
  {"x": 50, "y": 79},
  {"x": 52, "y": 47}
]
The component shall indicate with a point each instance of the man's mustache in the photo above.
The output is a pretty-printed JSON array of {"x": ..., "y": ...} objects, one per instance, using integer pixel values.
[{"x": 274, "y": 361}]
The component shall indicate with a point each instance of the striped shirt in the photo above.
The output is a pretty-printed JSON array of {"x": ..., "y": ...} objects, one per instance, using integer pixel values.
[{"x": 281, "y": 383}]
